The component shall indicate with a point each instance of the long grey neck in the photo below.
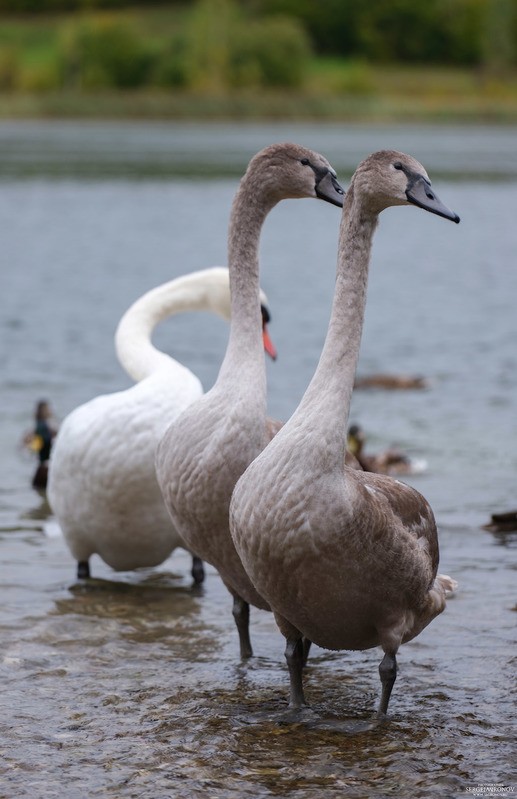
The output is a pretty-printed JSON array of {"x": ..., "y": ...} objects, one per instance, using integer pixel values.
[
  {"x": 326, "y": 403},
  {"x": 243, "y": 364}
]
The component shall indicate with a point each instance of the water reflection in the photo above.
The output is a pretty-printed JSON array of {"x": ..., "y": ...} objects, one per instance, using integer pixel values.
[
  {"x": 153, "y": 610},
  {"x": 505, "y": 539},
  {"x": 40, "y": 512}
]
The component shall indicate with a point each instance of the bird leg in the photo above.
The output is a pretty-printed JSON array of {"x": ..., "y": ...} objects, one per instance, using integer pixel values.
[
  {"x": 388, "y": 675},
  {"x": 294, "y": 655},
  {"x": 83, "y": 569},
  {"x": 198, "y": 570},
  {"x": 241, "y": 614},
  {"x": 306, "y": 649}
]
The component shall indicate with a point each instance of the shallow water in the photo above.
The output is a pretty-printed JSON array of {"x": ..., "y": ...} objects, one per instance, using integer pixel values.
[{"x": 131, "y": 686}]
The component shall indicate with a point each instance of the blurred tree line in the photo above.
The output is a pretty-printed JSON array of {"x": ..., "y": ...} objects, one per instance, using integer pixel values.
[
  {"x": 220, "y": 44},
  {"x": 213, "y": 45},
  {"x": 454, "y": 32},
  {"x": 459, "y": 32},
  {"x": 463, "y": 32}
]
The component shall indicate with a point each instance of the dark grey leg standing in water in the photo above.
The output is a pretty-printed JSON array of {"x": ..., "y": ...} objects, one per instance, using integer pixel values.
[
  {"x": 241, "y": 614},
  {"x": 388, "y": 675},
  {"x": 83, "y": 569},
  {"x": 198, "y": 570},
  {"x": 294, "y": 655},
  {"x": 306, "y": 649}
]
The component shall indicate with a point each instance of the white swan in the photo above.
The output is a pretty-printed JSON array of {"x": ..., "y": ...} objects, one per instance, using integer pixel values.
[
  {"x": 102, "y": 482},
  {"x": 345, "y": 558},
  {"x": 204, "y": 452}
]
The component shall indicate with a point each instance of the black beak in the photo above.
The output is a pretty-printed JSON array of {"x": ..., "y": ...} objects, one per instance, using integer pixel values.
[
  {"x": 419, "y": 192},
  {"x": 328, "y": 189}
]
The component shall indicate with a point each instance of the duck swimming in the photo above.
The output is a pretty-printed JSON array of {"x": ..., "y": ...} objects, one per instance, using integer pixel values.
[{"x": 391, "y": 461}]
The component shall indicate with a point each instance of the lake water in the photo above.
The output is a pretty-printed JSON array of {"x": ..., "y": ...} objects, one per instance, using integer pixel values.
[{"x": 131, "y": 686}]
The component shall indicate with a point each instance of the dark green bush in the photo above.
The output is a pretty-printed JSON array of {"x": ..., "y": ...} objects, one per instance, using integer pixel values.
[
  {"x": 101, "y": 52},
  {"x": 171, "y": 67},
  {"x": 269, "y": 52},
  {"x": 209, "y": 31},
  {"x": 221, "y": 47},
  {"x": 9, "y": 68},
  {"x": 331, "y": 24},
  {"x": 51, "y": 6},
  {"x": 437, "y": 31},
  {"x": 434, "y": 31},
  {"x": 477, "y": 32}
]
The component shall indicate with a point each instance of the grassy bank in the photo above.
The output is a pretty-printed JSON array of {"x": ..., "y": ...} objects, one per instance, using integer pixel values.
[{"x": 395, "y": 95}]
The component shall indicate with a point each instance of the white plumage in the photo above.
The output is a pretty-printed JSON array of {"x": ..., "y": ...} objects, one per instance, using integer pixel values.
[{"x": 102, "y": 483}]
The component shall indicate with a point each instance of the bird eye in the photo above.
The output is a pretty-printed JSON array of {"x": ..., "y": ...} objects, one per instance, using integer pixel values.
[
  {"x": 398, "y": 165},
  {"x": 305, "y": 161}
]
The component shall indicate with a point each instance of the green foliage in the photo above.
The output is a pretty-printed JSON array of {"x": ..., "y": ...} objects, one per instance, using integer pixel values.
[
  {"x": 356, "y": 78},
  {"x": 9, "y": 68},
  {"x": 221, "y": 47},
  {"x": 28, "y": 57},
  {"x": 463, "y": 32},
  {"x": 269, "y": 52},
  {"x": 171, "y": 67},
  {"x": 53, "y": 6},
  {"x": 331, "y": 24},
  {"x": 499, "y": 42},
  {"x": 104, "y": 52},
  {"x": 433, "y": 32},
  {"x": 209, "y": 33},
  {"x": 39, "y": 78},
  {"x": 213, "y": 47},
  {"x": 463, "y": 23}
]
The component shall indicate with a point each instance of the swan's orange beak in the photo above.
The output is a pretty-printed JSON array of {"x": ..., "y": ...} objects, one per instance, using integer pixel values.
[{"x": 268, "y": 344}]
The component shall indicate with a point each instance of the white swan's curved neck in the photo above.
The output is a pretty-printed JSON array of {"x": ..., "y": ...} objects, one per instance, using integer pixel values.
[
  {"x": 326, "y": 402},
  {"x": 204, "y": 290}
]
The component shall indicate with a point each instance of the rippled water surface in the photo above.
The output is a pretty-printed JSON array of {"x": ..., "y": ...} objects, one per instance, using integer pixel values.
[{"x": 130, "y": 685}]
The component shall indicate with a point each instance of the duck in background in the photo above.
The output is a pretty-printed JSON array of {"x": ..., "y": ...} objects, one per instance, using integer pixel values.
[
  {"x": 40, "y": 441},
  {"x": 391, "y": 461},
  {"x": 502, "y": 522},
  {"x": 392, "y": 382}
]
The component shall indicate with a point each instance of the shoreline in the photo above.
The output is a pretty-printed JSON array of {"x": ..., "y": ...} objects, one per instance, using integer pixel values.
[{"x": 258, "y": 107}]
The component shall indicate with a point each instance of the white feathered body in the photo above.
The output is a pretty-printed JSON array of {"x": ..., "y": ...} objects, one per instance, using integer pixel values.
[{"x": 102, "y": 480}]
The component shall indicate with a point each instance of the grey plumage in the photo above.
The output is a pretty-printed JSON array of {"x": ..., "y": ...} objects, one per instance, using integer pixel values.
[{"x": 345, "y": 558}]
